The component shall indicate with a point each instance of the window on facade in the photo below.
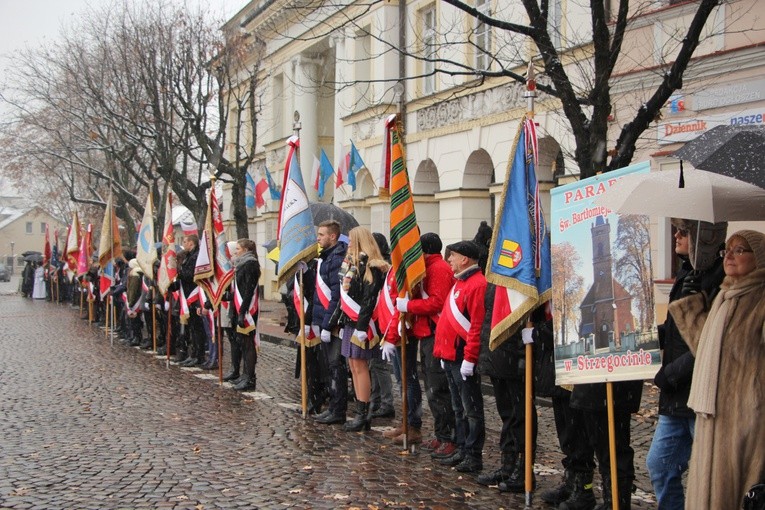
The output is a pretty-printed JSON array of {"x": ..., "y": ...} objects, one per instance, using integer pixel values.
[
  {"x": 42, "y": 227},
  {"x": 482, "y": 34},
  {"x": 429, "y": 49},
  {"x": 29, "y": 227},
  {"x": 554, "y": 25}
]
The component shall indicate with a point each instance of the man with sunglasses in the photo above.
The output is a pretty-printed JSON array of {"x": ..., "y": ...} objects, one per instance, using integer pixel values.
[{"x": 698, "y": 245}]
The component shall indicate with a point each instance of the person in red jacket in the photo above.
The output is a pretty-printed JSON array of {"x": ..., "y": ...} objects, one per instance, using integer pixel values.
[
  {"x": 458, "y": 344},
  {"x": 424, "y": 310}
]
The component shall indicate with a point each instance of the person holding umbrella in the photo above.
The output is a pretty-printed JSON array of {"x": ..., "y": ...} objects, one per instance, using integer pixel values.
[{"x": 727, "y": 337}]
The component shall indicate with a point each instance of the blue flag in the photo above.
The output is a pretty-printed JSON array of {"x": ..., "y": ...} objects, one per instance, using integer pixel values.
[
  {"x": 296, "y": 234},
  {"x": 325, "y": 172},
  {"x": 354, "y": 166},
  {"x": 275, "y": 193},
  {"x": 519, "y": 256},
  {"x": 249, "y": 191}
]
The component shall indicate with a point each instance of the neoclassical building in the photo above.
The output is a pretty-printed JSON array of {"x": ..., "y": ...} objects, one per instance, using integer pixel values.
[{"x": 339, "y": 72}]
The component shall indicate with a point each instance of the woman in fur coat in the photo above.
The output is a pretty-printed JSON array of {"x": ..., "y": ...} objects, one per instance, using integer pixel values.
[{"x": 728, "y": 388}]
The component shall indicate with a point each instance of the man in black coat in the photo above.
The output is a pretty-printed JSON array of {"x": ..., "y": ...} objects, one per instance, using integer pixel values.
[
  {"x": 196, "y": 338},
  {"x": 325, "y": 300},
  {"x": 505, "y": 366}
]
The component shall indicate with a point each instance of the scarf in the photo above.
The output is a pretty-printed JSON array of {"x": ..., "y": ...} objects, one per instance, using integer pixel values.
[
  {"x": 243, "y": 259},
  {"x": 706, "y": 371}
]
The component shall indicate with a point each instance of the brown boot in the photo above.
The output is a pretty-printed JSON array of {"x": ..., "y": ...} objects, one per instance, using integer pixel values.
[
  {"x": 414, "y": 436},
  {"x": 390, "y": 434}
]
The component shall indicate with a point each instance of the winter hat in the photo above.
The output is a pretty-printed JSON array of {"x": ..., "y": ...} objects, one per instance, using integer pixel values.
[
  {"x": 382, "y": 243},
  {"x": 756, "y": 242},
  {"x": 467, "y": 248},
  {"x": 431, "y": 243}
]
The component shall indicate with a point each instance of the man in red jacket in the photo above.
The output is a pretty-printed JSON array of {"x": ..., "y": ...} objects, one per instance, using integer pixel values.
[
  {"x": 424, "y": 310},
  {"x": 458, "y": 345}
]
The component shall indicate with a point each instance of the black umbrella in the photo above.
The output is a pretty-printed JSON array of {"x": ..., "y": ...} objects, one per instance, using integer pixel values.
[
  {"x": 736, "y": 151},
  {"x": 323, "y": 212},
  {"x": 30, "y": 252},
  {"x": 34, "y": 256},
  {"x": 270, "y": 245}
]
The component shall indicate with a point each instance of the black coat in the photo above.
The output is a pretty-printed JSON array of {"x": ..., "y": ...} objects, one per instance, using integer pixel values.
[
  {"x": 332, "y": 261},
  {"x": 247, "y": 276},
  {"x": 504, "y": 362},
  {"x": 674, "y": 376},
  {"x": 544, "y": 361},
  {"x": 365, "y": 294}
]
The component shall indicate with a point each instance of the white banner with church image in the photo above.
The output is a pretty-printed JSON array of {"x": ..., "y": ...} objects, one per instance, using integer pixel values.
[{"x": 603, "y": 296}]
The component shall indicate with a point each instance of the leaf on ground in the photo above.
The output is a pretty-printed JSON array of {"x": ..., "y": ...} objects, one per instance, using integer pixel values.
[{"x": 295, "y": 491}]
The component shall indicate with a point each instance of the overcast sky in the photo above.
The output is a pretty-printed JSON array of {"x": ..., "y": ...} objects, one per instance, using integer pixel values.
[{"x": 35, "y": 22}]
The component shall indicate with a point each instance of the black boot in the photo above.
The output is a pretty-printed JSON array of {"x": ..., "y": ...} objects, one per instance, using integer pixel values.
[
  {"x": 582, "y": 497},
  {"x": 245, "y": 384},
  {"x": 362, "y": 421},
  {"x": 625, "y": 495},
  {"x": 502, "y": 474},
  {"x": 561, "y": 493},
  {"x": 236, "y": 360},
  {"x": 516, "y": 482}
]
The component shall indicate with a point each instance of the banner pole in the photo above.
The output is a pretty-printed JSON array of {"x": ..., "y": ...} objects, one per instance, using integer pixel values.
[
  {"x": 168, "y": 333},
  {"x": 612, "y": 445},
  {"x": 217, "y": 324},
  {"x": 154, "y": 317},
  {"x": 404, "y": 403},
  {"x": 302, "y": 339},
  {"x": 529, "y": 450}
]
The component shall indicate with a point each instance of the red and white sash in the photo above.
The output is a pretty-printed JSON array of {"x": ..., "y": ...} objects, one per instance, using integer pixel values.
[
  {"x": 322, "y": 289},
  {"x": 251, "y": 311},
  {"x": 351, "y": 308},
  {"x": 301, "y": 309},
  {"x": 454, "y": 316},
  {"x": 386, "y": 308}
]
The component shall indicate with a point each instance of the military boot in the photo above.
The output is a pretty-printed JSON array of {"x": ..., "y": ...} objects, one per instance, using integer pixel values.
[
  {"x": 561, "y": 493},
  {"x": 582, "y": 497}
]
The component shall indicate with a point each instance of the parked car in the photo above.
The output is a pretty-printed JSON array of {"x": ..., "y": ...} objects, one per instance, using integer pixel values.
[{"x": 5, "y": 274}]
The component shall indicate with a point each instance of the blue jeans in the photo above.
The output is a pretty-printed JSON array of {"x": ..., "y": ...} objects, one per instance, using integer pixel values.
[
  {"x": 668, "y": 459},
  {"x": 467, "y": 402}
]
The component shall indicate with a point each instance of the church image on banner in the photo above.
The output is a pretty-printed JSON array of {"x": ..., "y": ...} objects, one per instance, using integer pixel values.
[{"x": 602, "y": 287}]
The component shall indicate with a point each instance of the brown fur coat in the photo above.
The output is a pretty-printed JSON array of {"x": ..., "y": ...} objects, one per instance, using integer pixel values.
[{"x": 729, "y": 448}]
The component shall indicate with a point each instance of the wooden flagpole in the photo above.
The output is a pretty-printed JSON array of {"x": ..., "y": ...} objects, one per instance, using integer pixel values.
[
  {"x": 168, "y": 332},
  {"x": 404, "y": 403},
  {"x": 154, "y": 315},
  {"x": 216, "y": 323},
  {"x": 302, "y": 339}
]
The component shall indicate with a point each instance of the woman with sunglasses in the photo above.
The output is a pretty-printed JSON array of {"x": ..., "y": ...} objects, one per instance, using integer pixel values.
[{"x": 728, "y": 388}]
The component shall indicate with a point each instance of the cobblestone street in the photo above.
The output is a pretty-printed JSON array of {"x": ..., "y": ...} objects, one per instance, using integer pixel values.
[{"x": 88, "y": 424}]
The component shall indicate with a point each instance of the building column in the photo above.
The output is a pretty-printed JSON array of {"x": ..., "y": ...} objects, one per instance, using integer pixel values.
[{"x": 307, "y": 105}]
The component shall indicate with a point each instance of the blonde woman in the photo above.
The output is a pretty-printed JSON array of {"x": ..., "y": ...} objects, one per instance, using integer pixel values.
[{"x": 363, "y": 274}]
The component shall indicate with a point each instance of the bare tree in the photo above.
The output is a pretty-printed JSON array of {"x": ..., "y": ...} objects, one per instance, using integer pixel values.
[
  {"x": 578, "y": 71},
  {"x": 568, "y": 287},
  {"x": 633, "y": 264},
  {"x": 134, "y": 98}
]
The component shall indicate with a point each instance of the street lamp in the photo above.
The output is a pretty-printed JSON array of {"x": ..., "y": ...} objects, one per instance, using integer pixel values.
[{"x": 13, "y": 259}]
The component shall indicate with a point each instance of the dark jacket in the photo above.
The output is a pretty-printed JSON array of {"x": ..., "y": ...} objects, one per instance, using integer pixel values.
[
  {"x": 674, "y": 376},
  {"x": 592, "y": 397},
  {"x": 332, "y": 260},
  {"x": 364, "y": 293},
  {"x": 544, "y": 361},
  {"x": 246, "y": 276},
  {"x": 186, "y": 276},
  {"x": 502, "y": 362}
]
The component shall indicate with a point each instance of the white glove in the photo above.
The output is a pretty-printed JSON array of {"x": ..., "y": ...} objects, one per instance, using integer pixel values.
[
  {"x": 167, "y": 306},
  {"x": 316, "y": 330},
  {"x": 388, "y": 351},
  {"x": 526, "y": 335},
  {"x": 443, "y": 365},
  {"x": 466, "y": 369},
  {"x": 360, "y": 335},
  {"x": 146, "y": 307},
  {"x": 326, "y": 336},
  {"x": 307, "y": 330},
  {"x": 402, "y": 303}
]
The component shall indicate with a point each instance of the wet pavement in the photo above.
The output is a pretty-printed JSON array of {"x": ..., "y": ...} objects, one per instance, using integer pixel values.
[{"x": 88, "y": 424}]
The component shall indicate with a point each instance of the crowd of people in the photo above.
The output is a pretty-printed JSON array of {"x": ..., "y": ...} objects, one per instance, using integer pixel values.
[{"x": 358, "y": 325}]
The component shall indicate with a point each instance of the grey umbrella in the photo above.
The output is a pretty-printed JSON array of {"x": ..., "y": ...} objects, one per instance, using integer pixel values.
[
  {"x": 736, "y": 151},
  {"x": 34, "y": 256},
  {"x": 322, "y": 212}
]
